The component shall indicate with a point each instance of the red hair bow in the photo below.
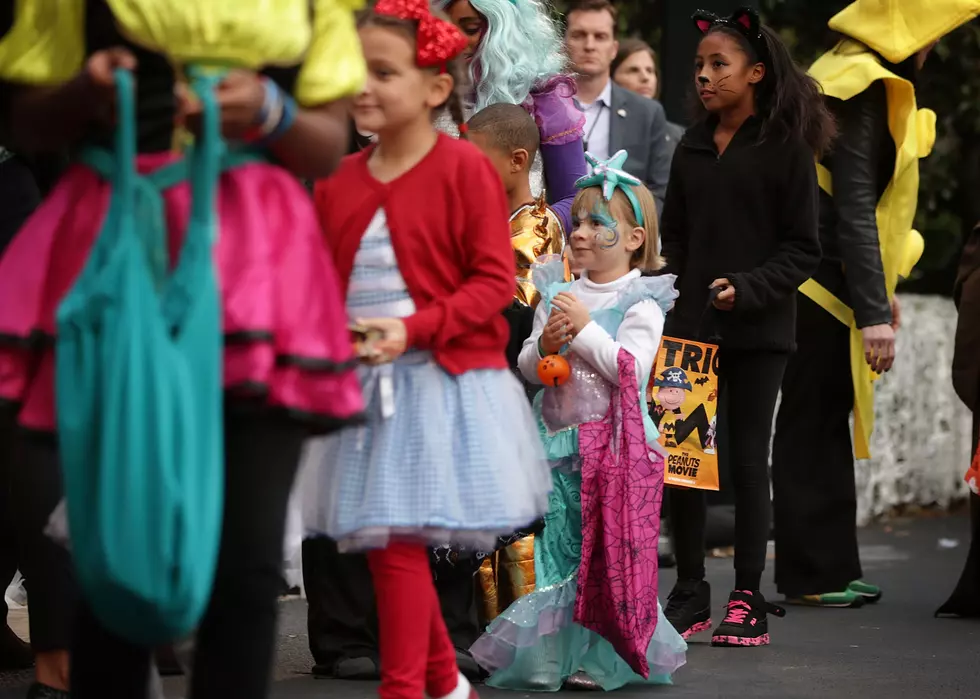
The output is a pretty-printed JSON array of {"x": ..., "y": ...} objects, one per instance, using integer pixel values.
[{"x": 438, "y": 41}]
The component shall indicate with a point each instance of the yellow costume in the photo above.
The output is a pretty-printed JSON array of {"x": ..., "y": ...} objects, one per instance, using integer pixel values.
[
  {"x": 895, "y": 29},
  {"x": 46, "y": 44},
  {"x": 509, "y": 574}
]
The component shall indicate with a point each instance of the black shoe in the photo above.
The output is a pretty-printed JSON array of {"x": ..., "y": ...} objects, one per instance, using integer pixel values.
[
  {"x": 354, "y": 669},
  {"x": 468, "y": 666},
  {"x": 746, "y": 622},
  {"x": 689, "y": 607},
  {"x": 41, "y": 691},
  {"x": 14, "y": 653}
]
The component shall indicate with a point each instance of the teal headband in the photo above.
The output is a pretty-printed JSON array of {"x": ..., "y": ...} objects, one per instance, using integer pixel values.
[{"x": 610, "y": 176}]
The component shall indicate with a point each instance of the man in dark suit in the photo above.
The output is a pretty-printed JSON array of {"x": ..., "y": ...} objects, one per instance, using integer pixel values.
[{"x": 615, "y": 118}]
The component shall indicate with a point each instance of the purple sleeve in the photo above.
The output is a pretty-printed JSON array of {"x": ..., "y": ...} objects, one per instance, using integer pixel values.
[
  {"x": 561, "y": 122},
  {"x": 555, "y": 111},
  {"x": 563, "y": 166}
]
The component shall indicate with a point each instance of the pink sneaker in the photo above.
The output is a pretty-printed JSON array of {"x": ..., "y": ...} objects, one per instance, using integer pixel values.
[{"x": 746, "y": 623}]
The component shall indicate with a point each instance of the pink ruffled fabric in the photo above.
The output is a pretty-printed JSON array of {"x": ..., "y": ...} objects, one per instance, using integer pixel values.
[
  {"x": 552, "y": 104},
  {"x": 622, "y": 495},
  {"x": 284, "y": 320}
]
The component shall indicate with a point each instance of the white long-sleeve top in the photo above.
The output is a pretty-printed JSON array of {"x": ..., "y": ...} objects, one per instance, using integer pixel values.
[{"x": 639, "y": 334}]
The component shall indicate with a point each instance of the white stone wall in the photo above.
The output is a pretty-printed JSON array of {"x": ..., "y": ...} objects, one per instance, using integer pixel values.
[{"x": 921, "y": 445}]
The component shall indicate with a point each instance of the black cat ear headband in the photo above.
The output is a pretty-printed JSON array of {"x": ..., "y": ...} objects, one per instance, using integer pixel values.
[{"x": 744, "y": 20}]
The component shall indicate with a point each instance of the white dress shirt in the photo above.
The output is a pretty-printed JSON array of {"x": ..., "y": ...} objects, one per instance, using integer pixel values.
[{"x": 598, "y": 120}]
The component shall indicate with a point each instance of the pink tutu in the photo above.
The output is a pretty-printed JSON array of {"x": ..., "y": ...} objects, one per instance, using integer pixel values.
[{"x": 285, "y": 327}]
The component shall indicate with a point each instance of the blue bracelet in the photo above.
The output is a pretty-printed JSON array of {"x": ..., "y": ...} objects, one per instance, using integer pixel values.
[
  {"x": 289, "y": 111},
  {"x": 281, "y": 114},
  {"x": 269, "y": 100}
]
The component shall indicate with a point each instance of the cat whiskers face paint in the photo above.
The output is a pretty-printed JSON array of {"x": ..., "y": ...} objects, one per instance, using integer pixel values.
[{"x": 721, "y": 85}]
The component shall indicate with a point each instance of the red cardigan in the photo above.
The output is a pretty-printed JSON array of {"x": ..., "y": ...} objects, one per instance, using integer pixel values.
[{"x": 450, "y": 231}]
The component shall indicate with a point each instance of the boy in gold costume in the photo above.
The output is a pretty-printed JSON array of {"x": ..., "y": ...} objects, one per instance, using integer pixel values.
[{"x": 508, "y": 135}]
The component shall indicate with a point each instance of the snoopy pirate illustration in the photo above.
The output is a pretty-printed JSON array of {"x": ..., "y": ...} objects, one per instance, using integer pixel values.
[{"x": 672, "y": 389}]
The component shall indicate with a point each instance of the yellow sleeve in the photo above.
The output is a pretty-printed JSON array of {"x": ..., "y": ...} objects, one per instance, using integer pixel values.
[
  {"x": 334, "y": 66},
  {"x": 46, "y": 44}
]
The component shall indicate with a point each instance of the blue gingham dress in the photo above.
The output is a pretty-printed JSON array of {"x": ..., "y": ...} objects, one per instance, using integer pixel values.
[{"x": 441, "y": 459}]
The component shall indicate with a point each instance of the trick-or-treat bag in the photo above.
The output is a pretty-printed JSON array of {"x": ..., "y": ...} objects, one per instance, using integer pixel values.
[
  {"x": 139, "y": 396},
  {"x": 683, "y": 396}
]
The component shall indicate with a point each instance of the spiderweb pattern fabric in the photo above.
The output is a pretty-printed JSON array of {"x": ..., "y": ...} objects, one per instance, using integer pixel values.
[{"x": 622, "y": 495}]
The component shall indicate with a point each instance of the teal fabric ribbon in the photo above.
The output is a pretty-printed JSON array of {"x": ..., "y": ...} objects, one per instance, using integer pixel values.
[
  {"x": 148, "y": 197},
  {"x": 139, "y": 390}
]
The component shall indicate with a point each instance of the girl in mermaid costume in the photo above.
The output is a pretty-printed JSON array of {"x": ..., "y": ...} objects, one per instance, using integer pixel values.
[
  {"x": 594, "y": 618},
  {"x": 192, "y": 334}
]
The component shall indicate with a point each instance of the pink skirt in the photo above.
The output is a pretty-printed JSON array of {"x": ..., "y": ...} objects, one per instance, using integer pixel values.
[{"x": 285, "y": 327}]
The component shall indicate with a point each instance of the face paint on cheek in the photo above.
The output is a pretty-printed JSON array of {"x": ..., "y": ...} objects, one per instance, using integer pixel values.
[{"x": 607, "y": 229}]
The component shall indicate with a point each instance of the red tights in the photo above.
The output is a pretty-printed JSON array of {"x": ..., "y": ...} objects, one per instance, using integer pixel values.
[{"x": 417, "y": 656}]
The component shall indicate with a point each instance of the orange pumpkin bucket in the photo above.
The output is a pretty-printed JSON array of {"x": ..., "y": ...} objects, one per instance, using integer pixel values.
[{"x": 553, "y": 370}]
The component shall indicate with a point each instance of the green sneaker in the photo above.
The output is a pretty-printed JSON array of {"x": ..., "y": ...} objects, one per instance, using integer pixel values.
[
  {"x": 847, "y": 598},
  {"x": 870, "y": 593}
]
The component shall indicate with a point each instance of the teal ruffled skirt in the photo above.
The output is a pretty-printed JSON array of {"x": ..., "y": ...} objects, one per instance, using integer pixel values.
[{"x": 535, "y": 645}]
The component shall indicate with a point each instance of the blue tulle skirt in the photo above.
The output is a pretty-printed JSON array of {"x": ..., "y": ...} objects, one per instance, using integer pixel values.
[{"x": 441, "y": 460}]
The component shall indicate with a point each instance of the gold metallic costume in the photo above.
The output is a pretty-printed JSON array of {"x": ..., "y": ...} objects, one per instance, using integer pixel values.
[
  {"x": 505, "y": 576},
  {"x": 509, "y": 573},
  {"x": 535, "y": 230}
]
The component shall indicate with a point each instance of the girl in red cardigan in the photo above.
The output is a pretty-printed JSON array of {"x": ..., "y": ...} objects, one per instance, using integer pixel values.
[{"x": 419, "y": 226}]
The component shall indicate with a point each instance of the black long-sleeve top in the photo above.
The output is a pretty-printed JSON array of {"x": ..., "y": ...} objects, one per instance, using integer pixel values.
[
  {"x": 749, "y": 215},
  {"x": 862, "y": 162}
]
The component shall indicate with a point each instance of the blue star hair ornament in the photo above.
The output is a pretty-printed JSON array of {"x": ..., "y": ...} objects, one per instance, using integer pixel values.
[{"x": 610, "y": 176}]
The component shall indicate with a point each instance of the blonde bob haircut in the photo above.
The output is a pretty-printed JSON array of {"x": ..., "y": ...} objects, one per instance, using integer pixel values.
[{"x": 647, "y": 258}]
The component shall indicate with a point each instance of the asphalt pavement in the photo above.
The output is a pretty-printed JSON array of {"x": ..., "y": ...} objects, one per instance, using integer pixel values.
[{"x": 892, "y": 649}]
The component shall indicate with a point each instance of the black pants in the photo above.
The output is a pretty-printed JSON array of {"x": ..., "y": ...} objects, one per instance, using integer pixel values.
[
  {"x": 342, "y": 618},
  {"x": 30, "y": 489},
  {"x": 236, "y": 640},
  {"x": 965, "y": 600},
  {"x": 814, "y": 495},
  {"x": 19, "y": 196},
  {"x": 748, "y": 386}
]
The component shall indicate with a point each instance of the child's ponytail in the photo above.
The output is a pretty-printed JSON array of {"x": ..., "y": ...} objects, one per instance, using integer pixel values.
[{"x": 455, "y": 102}]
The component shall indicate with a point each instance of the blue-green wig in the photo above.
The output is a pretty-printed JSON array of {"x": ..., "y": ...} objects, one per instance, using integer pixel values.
[{"x": 521, "y": 49}]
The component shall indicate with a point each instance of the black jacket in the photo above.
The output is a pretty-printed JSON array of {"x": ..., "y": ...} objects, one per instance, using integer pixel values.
[
  {"x": 750, "y": 216},
  {"x": 19, "y": 196},
  {"x": 862, "y": 162}
]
